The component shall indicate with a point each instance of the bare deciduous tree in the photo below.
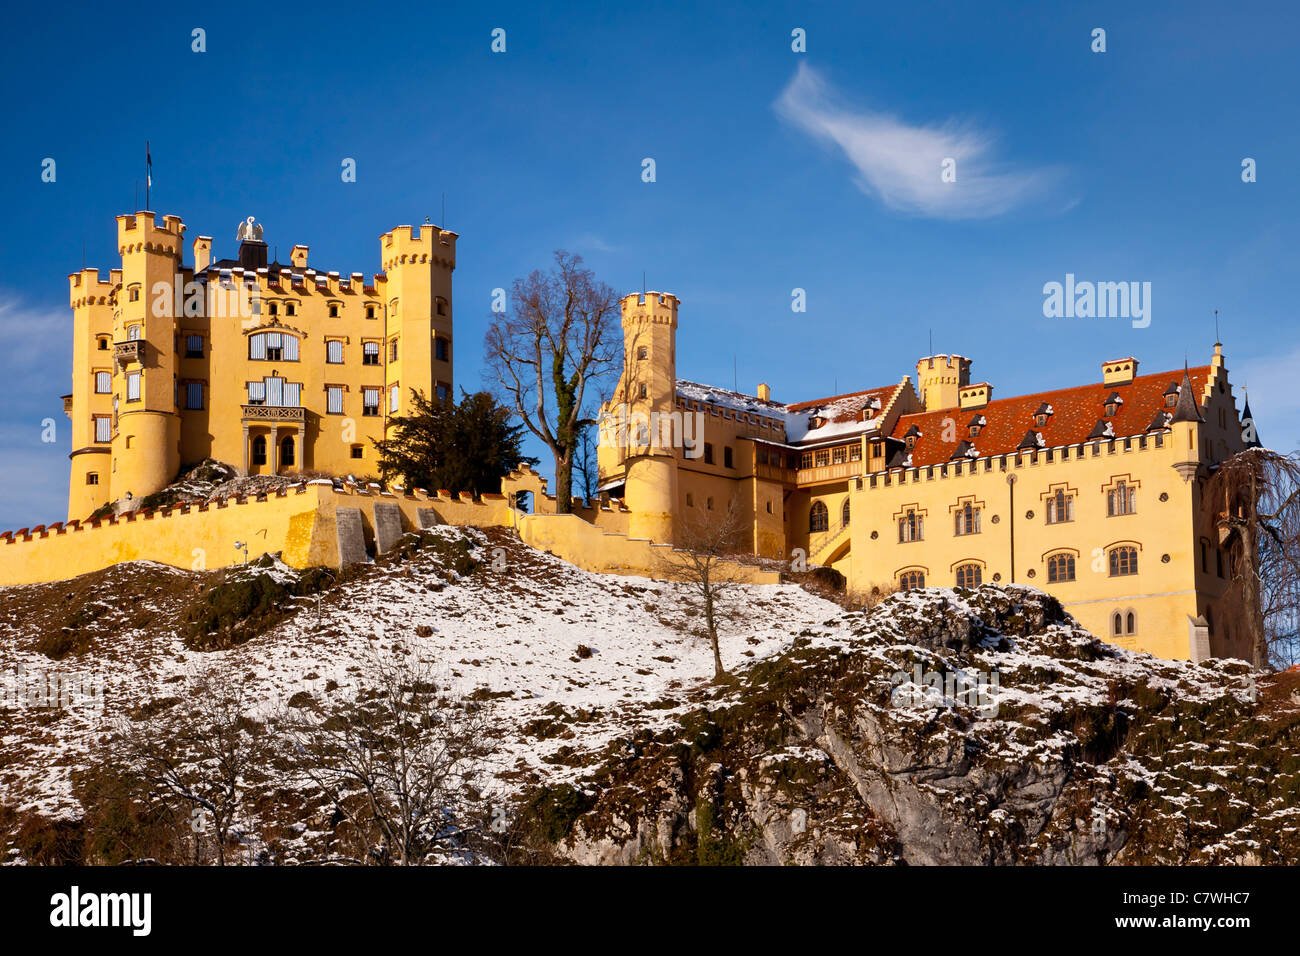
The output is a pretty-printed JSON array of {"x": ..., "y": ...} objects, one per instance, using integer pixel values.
[
  {"x": 211, "y": 757},
  {"x": 704, "y": 560},
  {"x": 396, "y": 761},
  {"x": 586, "y": 472},
  {"x": 1255, "y": 495},
  {"x": 559, "y": 336}
]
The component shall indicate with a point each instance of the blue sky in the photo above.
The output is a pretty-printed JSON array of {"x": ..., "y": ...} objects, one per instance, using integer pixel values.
[{"x": 775, "y": 170}]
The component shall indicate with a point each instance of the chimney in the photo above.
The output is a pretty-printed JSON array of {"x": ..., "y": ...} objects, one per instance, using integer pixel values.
[
  {"x": 202, "y": 253},
  {"x": 764, "y": 391},
  {"x": 298, "y": 256},
  {"x": 1119, "y": 371},
  {"x": 252, "y": 254}
]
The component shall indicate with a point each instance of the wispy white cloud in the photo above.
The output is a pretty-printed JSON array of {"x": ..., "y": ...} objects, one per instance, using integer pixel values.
[{"x": 901, "y": 165}]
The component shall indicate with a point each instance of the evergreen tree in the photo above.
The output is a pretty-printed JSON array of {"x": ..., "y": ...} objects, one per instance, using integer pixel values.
[{"x": 469, "y": 446}]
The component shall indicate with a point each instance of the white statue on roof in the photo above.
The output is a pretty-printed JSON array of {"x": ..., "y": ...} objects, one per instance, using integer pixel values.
[{"x": 249, "y": 230}]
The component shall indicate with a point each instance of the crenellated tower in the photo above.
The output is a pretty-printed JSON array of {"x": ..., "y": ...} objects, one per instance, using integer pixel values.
[
  {"x": 647, "y": 392},
  {"x": 90, "y": 405},
  {"x": 146, "y": 423},
  {"x": 416, "y": 291},
  {"x": 939, "y": 378}
]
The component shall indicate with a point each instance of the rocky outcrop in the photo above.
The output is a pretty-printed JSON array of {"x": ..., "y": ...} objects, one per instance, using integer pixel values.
[{"x": 953, "y": 727}]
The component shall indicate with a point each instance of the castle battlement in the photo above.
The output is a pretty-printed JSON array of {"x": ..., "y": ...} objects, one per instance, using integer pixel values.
[
  {"x": 652, "y": 307},
  {"x": 1065, "y": 458},
  {"x": 409, "y": 244},
  {"x": 140, "y": 232},
  {"x": 87, "y": 288}
]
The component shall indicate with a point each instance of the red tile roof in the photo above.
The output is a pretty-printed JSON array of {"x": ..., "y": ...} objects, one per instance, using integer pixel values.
[{"x": 1075, "y": 413}]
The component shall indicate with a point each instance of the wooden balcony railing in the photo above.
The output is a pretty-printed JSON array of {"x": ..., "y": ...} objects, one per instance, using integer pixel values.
[{"x": 296, "y": 414}]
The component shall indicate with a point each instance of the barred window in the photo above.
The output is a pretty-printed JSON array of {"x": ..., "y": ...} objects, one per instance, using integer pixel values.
[
  {"x": 194, "y": 346},
  {"x": 194, "y": 395}
]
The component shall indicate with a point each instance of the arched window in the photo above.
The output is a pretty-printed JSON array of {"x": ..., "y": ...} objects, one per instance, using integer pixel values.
[
  {"x": 818, "y": 517},
  {"x": 844, "y": 512},
  {"x": 1060, "y": 507},
  {"x": 911, "y": 527},
  {"x": 911, "y": 580},
  {"x": 969, "y": 576},
  {"x": 968, "y": 519},
  {"x": 259, "y": 450},
  {"x": 286, "y": 450},
  {"x": 1123, "y": 560},
  {"x": 1060, "y": 567},
  {"x": 1123, "y": 624}
]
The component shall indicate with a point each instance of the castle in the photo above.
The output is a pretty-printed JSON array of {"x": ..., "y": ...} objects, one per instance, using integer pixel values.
[
  {"x": 1094, "y": 493},
  {"x": 266, "y": 365}
]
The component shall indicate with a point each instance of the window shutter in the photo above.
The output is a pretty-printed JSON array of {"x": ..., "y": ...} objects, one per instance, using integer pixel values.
[
  {"x": 103, "y": 430},
  {"x": 133, "y": 387},
  {"x": 290, "y": 348},
  {"x": 256, "y": 392},
  {"x": 194, "y": 395},
  {"x": 335, "y": 352},
  {"x": 275, "y": 391},
  {"x": 257, "y": 347},
  {"x": 336, "y": 400},
  {"x": 273, "y": 340},
  {"x": 292, "y": 394}
]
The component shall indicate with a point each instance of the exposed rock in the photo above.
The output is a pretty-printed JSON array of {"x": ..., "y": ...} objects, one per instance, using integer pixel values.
[{"x": 1075, "y": 751}]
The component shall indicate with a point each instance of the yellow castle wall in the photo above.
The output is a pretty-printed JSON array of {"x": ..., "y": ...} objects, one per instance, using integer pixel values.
[{"x": 409, "y": 305}]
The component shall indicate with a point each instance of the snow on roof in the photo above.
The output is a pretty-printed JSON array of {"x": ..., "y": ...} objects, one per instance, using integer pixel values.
[{"x": 839, "y": 413}]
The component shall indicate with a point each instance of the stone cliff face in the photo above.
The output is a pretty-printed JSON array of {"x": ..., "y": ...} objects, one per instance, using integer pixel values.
[{"x": 951, "y": 727}]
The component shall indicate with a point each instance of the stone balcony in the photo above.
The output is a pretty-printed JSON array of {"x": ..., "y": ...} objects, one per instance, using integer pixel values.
[{"x": 127, "y": 352}]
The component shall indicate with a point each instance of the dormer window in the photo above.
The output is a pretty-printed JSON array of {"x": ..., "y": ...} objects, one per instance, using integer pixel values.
[
  {"x": 816, "y": 421},
  {"x": 1040, "y": 420},
  {"x": 1113, "y": 402},
  {"x": 911, "y": 442},
  {"x": 974, "y": 431}
]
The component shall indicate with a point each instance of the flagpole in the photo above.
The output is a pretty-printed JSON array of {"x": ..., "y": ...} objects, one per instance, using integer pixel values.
[{"x": 148, "y": 173}]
